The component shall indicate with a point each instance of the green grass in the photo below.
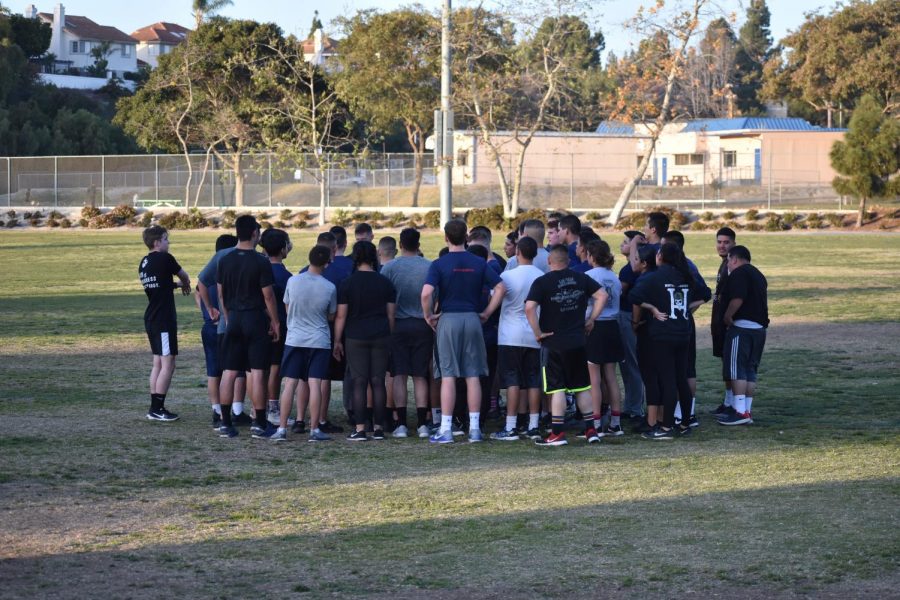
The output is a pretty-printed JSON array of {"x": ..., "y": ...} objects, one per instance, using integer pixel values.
[{"x": 96, "y": 498}]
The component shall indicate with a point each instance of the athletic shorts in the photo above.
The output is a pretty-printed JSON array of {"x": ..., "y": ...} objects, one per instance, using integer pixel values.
[
  {"x": 163, "y": 338},
  {"x": 276, "y": 349},
  {"x": 519, "y": 366},
  {"x": 692, "y": 353},
  {"x": 305, "y": 363},
  {"x": 565, "y": 370},
  {"x": 604, "y": 344},
  {"x": 247, "y": 341},
  {"x": 367, "y": 358},
  {"x": 742, "y": 353},
  {"x": 221, "y": 355},
  {"x": 411, "y": 345},
  {"x": 459, "y": 344},
  {"x": 210, "y": 340}
]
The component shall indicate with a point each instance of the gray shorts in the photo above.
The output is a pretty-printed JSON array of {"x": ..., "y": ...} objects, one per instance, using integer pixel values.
[
  {"x": 459, "y": 346},
  {"x": 742, "y": 353}
]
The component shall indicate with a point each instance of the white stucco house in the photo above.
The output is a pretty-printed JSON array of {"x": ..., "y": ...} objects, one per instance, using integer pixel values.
[{"x": 155, "y": 40}]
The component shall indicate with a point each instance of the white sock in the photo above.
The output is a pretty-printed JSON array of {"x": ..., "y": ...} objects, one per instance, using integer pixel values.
[
  {"x": 446, "y": 423},
  {"x": 474, "y": 421},
  {"x": 217, "y": 408},
  {"x": 740, "y": 403},
  {"x": 533, "y": 419},
  {"x": 749, "y": 400},
  {"x": 435, "y": 415},
  {"x": 237, "y": 408},
  {"x": 510, "y": 423},
  {"x": 693, "y": 407},
  {"x": 273, "y": 405},
  {"x": 281, "y": 430},
  {"x": 598, "y": 423},
  {"x": 729, "y": 398},
  {"x": 678, "y": 411}
]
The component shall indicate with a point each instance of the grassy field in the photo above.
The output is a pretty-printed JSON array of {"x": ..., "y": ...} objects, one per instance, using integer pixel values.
[{"x": 95, "y": 500}]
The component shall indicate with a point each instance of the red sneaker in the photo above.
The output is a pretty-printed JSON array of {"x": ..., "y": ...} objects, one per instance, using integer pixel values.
[{"x": 554, "y": 439}]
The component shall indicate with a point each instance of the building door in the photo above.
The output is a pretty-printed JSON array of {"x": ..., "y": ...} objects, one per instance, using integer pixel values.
[
  {"x": 757, "y": 165},
  {"x": 663, "y": 172}
]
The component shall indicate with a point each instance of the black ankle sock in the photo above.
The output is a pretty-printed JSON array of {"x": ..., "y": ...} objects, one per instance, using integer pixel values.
[
  {"x": 226, "y": 415},
  {"x": 261, "y": 417},
  {"x": 156, "y": 401},
  {"x": 421, "y": 416},
  {"x": 401, "y": 416}
]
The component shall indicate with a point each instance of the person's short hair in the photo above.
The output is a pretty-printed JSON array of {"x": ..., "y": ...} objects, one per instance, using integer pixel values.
[
  {"x": 674, "y": 237},
  {"x": 480, "y": 233},
  {"x": 658, "y": 221},
  {"x": 513, "y": 236},
  {"x": 443, "y": 251},
  {"x": 739, "y": 252},
  {"x": 587, "y": 236},
  {"x": 559, "y": 254},
  {"x": 599, "y": 251},
  {"x": 553, "y": 224},
  {"x": 245, "y": 226},
  {"x": 273, "y": 241},
  {"x": 340, "y": 236},
  {"x": 226, "y": 240},
  {"x": 527, "y": 247},
  {"x": 455, "y": 230},
  {"x": 388, "y": 245},
  {"x": 631, "y": 233},
  {"x": 479, "y": 251},
  {"x": 647, "y": 253},
  {"x": 153, "y": 234},
  {"x": 363, "y": 228},
  {"x": 570, "y": 223},
  {"x": 727, "y": 231},
  {"x": 319, "y": 256},
  {"x": 364, "y": 253},
  {"x": 326, "y": 238},
  {"x": 409, "y": 239},
  {"x": 534, "y": 228}
]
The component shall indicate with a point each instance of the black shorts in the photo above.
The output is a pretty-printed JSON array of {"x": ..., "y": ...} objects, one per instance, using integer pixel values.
[
  {"x": 220, "y": 347},
  {"x": 742, "y": 353},
  {"x": 247, "y": 342},
  {"x": 565, "y": 370},
  {"x": 519, "y": 367},
  {"x": 211, "y": 349},
  {"x": 305, "y": 363},
  {"x": 276, "y": 349},
  {"x": 411, "y": 345},
  {"x": 604, "y": 344},
  {"x": 163, "y": 338}
]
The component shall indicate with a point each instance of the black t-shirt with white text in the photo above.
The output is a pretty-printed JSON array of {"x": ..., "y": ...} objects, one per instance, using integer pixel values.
[
  {"x": 156, "y": 271},
  {"x": 367, "y": 294},
  {"x": 750, "y": 285},
  {"x": 669, "y": 291},
  {"x": 563, "y": 298},
  {"x": 243, "y": 275}
]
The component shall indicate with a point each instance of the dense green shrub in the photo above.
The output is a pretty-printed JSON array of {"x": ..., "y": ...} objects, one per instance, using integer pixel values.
[
  {"x": 89, "y": 212},
  {"x": 751, "y": 215}
]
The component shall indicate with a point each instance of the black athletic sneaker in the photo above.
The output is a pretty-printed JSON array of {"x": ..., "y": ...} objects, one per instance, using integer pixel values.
[
  {"x": 241, "y": 419},
  {"x": 683, "y": 431},
  {"x": 642, "y": 427},
  {"x": 658, "y": 433},
  {"x": 356, "y": 436},
  {"x": 329, "y": 427},
  {"x": 162, "y": 415},
  {"x": 378, "y": 434},
  {"x": 217, "y": 420},
  {"x": 533, "y": 434},
  {"x": 694, "y": 422},
  {"x": 298, "y": 427},
  {"x": 719, "y": 410}
]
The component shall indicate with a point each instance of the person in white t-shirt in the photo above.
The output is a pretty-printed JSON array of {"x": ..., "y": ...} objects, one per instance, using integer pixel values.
[{"x": 519, "y": 354}]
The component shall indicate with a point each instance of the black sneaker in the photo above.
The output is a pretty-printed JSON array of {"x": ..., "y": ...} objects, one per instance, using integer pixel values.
[
  {"x": 298, "y": 427},
  {"x": 612, "y": 431},
  {"x": 719, "y": 409},
  {"x": 533, "y": 434},
  {"x": 217, "y": 420},
  {"x": 642, "y": 427},
  {"x": 241, "y": 419},
  {"x": 658, "y": 433},
  {"x": 683, "y": 431},
  {"x": 694, "y": 422},
  {"x": 378, "y": 434},
  {"x": 356, "y": 436},
  {"x": 163, "y": 415},
  {"x": 228, "y": 431},
  {"x": 329, "y": 427},
  {"x": 728, "y": 413}
]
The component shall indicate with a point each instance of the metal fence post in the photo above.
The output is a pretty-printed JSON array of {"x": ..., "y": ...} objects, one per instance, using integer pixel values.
[
  {"x": 156, "y": 176},
  {"x": 571, "y": 181},
  {"x": 212, "y": 181},
  {"x": 387, "y": 173},
  {"x": 103, "y": 180},
  {"x": 270, "y": 179},
  {"x": 8, "y": 181},
  {"x": 770, "y": 183},
  {"x": 56, "y": 181}
]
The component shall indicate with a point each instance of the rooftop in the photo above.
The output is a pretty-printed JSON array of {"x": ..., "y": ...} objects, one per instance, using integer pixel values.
[
  {"x": 89, "y": 30},
  {"x": 167, "y": 33}
]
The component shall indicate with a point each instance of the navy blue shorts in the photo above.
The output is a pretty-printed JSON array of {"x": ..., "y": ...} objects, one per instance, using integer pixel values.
[
  {"x": 305, "y": 363},
  {"x": 519, "y": 367},
  {"x": 210, "y": 340}
]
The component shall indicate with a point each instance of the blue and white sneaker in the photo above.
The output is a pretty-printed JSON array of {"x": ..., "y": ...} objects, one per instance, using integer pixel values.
[
  {"x": 280, "y": 435},
  {"x": 262, "y": 433},
  {"x": 505, "y": 436},
  {"x": 441, "y": 438},
  {"x": 475, "y": 436},
  {"x": 228, "y": 431},
  {"x": 316, "y": 435}
]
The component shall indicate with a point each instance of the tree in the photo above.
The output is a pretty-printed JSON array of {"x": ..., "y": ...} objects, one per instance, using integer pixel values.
[
  {"x": 31, "y": 35},
  {"x": 706, "y": 88},
  {"x": 316, "y": 24},
  {"x": 831, "y": 61},
  {"x": 869, "y": 157},
  {"x": 204, "y": 9},
  {"x": 390, "y": 65},
  {"x": 648, "y": 83},
  {"x": 754, "y": 49},
  {"x": 100, "y": 53}
]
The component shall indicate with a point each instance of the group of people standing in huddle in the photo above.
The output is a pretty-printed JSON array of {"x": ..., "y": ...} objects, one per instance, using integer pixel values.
[{"x": 548, "y": 324}]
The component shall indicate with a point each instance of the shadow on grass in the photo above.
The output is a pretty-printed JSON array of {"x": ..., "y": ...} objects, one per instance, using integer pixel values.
[{"x": 767, "y": 542}]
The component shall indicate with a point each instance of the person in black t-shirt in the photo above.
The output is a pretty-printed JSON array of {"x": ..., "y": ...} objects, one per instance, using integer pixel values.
[
  {"x": 747, "y": 317},
  {"x": 562, "y": 296},
  {"x": 156, "y": 271},
  {"x": 244, "y": 280},
  {"x": 725, "y": 238}
]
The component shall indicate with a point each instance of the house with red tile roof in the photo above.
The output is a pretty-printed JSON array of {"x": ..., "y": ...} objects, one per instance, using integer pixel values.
[{"x": 155, "y": 40}]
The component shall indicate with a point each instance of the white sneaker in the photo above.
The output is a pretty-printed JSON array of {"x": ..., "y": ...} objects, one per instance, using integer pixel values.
[
  {"x": 424, "y": 432},
  {"x": 401, "y": 432}
]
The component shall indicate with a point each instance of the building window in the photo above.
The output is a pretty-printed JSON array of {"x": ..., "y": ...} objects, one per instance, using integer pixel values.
[
  {"x": 462, "y": 158},
  {"x": 639, "y": 159},
  {"x": 126, "y": 50},
  {"x": 729, "y": 158},
  {"x": 688, "y": 159},
  {"x": 75, "y": 48}
]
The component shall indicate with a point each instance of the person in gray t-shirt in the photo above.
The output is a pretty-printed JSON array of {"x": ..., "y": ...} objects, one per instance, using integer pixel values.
[
  {"x": 412, "y": 339},
  {"x": 534, "y": 229},
  {"x": 311, "y": 302}
]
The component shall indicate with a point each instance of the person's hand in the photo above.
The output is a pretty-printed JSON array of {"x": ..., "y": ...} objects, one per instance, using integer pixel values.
[
  {"x": 275, "y": 331},
  {"x": 542, "y": 335},
  {"x": 588, "y": 326},
  {"x": 728, "y": 321},
  {"x": 432, "y": 320},
  {"x": 213, "y": 314},
  {"x": 338, "y": 351},
  {"x": 658, "y": 314},
  {"x": 484, "y": 317},
  {"x": 186, "y": 288}
]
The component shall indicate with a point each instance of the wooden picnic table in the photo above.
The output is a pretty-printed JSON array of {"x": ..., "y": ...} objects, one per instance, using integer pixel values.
[{"x": 680, "y": 180}]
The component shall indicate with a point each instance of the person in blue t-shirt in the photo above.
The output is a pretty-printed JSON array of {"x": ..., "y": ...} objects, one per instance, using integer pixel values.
[
  {"x": 277, "y": 245},
  {"x": 633, "y": 402},
  {"x": 459, "y": 278},
  {"x": 569, "y": 230}
]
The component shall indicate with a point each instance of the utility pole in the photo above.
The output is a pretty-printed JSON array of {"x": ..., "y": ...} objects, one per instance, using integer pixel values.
[{"x": 443, "y": 120}]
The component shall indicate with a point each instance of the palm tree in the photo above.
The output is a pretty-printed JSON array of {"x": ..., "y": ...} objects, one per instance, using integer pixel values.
[{"x": 202, "y": 8}]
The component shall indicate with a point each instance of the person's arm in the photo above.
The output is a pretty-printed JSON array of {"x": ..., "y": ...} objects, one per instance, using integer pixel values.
[
  {"x": 224, "y": 311},
  {"x": 733, "y": 306},
  {"x": 272, "y": 309},
  {"x": 657, "y": 314},
  {"x": 203, "y": 293},
  {"x": 392, "y": 315},
  {"x": 494, "y": 304},
  {"x": 340, "y": 321},
  {"x": 185, "y": 282},
  {"x": 600, "y": 297},
  {"x": 427, "y": 294},
  {"x": 531, "y": 314}
]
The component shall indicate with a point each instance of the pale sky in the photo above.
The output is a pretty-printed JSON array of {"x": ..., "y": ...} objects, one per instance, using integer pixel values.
[{"x": 295, "y": 16}]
